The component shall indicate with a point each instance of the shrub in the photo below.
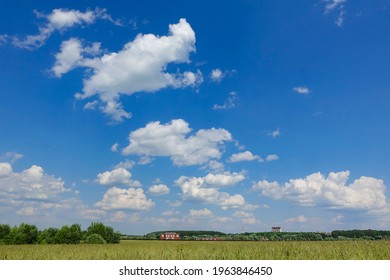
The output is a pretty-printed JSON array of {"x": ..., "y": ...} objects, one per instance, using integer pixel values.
[{"x": 95, "y": 238}]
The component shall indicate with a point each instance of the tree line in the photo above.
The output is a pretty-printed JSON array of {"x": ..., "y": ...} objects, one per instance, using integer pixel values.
[
  {"x": 96, "y": 233},
  {"x": 336, "y": 235}
]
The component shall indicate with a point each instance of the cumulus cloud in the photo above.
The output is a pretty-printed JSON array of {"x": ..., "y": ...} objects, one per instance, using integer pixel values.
[
  {"x": 244, "y": 156},
  {"x": 201, "y": 213},
  {"x": 117, "y": 199},
  {"x": 31, "y": 183},
  {"x": 117, "y": 176},
  {"x": 172, "y": 140},
  {"x": 5, "y": 169},
  {"x": 60, "y": 20},
  {"x": 230, "y": 103},
  {"x": 199, "y": 188},
  {"x": 298, "y": 219},
  {"x": 301, "y": 90},
  {"x": 226, "y": 179},
  {"x": 141, "y": 66},
  {"x": 216, "y": 75},
  {"x": 35, "y": 194},
  {"x": 159, "y": 189},
  {"x": 365, "y": 193},
  {"x": 272, "y": 157},
  {"x": 68, "y": 57}
]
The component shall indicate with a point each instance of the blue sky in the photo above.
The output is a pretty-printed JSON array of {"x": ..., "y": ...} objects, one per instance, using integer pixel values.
[{"x": 206, "y": 115}]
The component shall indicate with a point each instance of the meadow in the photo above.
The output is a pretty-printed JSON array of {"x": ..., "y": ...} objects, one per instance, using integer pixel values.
[{"x": 202, "y": 250}]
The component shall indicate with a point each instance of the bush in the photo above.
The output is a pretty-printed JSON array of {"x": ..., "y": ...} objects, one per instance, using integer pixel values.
[
  {"x": 95, "y": 238},
  {"x": 106, "y": 232}
]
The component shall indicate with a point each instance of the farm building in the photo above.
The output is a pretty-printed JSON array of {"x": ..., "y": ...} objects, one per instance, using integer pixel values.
[
  {"x": 276, "y": 229},
  {"x": 169, "y": 236}
]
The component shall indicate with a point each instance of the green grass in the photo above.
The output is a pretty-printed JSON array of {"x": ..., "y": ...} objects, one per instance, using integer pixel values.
[{"x": 203, "y": 250}]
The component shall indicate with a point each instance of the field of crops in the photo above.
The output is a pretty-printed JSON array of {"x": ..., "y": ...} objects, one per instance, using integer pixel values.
[{"x": 203, "y": 250}]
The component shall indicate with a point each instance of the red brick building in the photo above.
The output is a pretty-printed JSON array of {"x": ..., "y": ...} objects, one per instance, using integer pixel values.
[{"x": 169, "y": 236}]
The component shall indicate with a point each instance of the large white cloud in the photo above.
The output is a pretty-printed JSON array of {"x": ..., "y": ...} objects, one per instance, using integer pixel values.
[
  {"x": 41, "y": 197},
  {"x": 365, "y": 193},
  {"x": 117, "y": 176},
  {"x": 206, "y": 190},
  {"x": 131, "y": 198},
  {"x": 5, "y": 169},
  {"x": 31, "y": 183},
  {"x": 172, "y": 140},
  {"x": 141, "y": 66},
  {"x": 60, "y": 20}
]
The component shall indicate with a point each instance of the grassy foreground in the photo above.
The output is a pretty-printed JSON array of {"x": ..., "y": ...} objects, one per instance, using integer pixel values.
[{"x": 201, "y": 250}]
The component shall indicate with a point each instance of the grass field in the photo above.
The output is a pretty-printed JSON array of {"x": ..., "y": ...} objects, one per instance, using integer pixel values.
[{"x": 203, "y": 250}]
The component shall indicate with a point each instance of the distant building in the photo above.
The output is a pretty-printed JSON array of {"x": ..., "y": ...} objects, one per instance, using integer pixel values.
[
  {"x": 210, "y": 238},
  {"x": 276, "y": 229},
  {"x": 169, "y": 236}
]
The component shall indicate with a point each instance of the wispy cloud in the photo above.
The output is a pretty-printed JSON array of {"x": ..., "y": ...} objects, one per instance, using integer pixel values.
[
  {"x": 230, "y": 103},
  {"x": 333, "y": 5},
  {"x": 60, "y": 20},
  {"x": 301, "y": 90}
]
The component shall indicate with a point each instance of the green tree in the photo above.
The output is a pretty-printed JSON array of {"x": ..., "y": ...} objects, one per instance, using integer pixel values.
[
  {"x": 23, "y": 234},
  {"x": 69, "y": 235},
  {"x": 4, "y": 232},
  {"x": 106, "y": 232},
  {"x": 47, "y": 236}
]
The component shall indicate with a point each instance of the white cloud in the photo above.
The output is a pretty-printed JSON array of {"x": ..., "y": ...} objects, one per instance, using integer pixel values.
[
  {"x": 42, "y": 197},
  {"x": 331, "y": 5},
  {"x": 3, "y": 39},
  {"x": 172, "y": 140},
  {"x": 224, "y": 219},
  {"x": 226, "y": 179},
  {"x": 68, "y": 58},
  {"x": 201, "y": 213},
  {"x": 114, "y": 147},
  {"x": 198, "y": 189},
  {"x": 27, "y": 211},
  {"x": 216, "y": 75},
  {"x": 298, "y": 219},
  {"x": 60, "y": 20},
  {"x": 141, "y": 66},
  {"x": 230, "y": 103},
  {"x": 365, "y": 193},
  {"x": 243, "y": 214},
  {"x": 244, "y": 156},
  {"x": 301, "y": 90},
  {"x": 5, "y": 169},
  {"x": 116, "y": 198},
  {"x": 275, "y": 133},
  {"x": 117, "y": 176},
  {"x": 127, "y": 164},
  {"x": 12, "y": 156},
  {"x": 272, "y": 157},
  {"x": 159, "y": 189},
  {"x": 214, "y": 165}
]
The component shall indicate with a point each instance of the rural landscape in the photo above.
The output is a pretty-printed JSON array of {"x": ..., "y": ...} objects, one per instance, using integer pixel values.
[
  {"x": 194, "y": 130},
  {"x": 100, "y": 242}
]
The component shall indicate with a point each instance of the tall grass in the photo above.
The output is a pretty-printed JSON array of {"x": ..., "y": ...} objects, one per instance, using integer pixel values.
[{"x": 203, "y": 250}]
